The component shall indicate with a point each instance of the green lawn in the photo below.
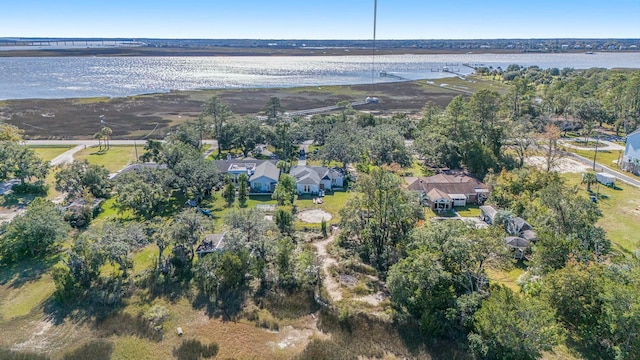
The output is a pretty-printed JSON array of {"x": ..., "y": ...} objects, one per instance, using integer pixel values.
[
  {"x": 469, "y": 211},
  {"x": 415, "y": 170},
  {"x": 145, "y": 258},
  {"x": 49, "y": 153},
  {"x": 332, "y": 203},
  {"x": 605, "y": 158},
  {"x": 113, "y": 159},
  {"x": 621, "y": 211},
  {"x": 470, "y": 84},
  {"x": 507, "y": 278},
  {"x": 22, "y": 300}
]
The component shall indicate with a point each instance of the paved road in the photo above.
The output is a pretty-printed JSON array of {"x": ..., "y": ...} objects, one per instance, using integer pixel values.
[
  {"x": 67, "y": 156},
  {"x": 603, "y": 145},
  {"x": 601, "y": 168},
  {"x": 213, "y": 143}
]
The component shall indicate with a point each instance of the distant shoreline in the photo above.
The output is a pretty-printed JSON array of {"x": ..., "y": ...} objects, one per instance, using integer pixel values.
[{"x": 254, "y": 51}]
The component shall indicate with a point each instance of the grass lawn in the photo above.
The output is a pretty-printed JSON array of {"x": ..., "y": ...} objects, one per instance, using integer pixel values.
[
  {"x": 620, "y": 209},
  {"x": 145, "y": 258},
  {"x": 605, "y": 158},
  {"x": 507, "y": 278},
  {"x": 415, "y": 170},
  {"x": 22, "y": 300},
  {"x": 470, "y": 84},
  {"x": 49, "y": 153},
  {"x": 469, "y": 211},
  {"x": 332, "y": 203},
  {"x": 113, "y": 159},
  {"x": 582, "y": 143}
]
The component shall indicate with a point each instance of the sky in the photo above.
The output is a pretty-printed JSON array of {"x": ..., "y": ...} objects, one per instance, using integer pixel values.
[{"x": 327, "y": 19}]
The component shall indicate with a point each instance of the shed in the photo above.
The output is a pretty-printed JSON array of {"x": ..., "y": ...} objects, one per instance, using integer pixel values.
[
  {"x": 605, "y": 179},
  {"x": 211, "y": 243},
  {"x": 488, "y": 213}
]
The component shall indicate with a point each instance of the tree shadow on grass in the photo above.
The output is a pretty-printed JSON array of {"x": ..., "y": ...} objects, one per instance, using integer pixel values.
[
  {"x": 19, "y": 201},
  {"x": 96, "y": 350},
  {"x": 226, "y": 306},
  {"x": 358, "y": 335},
  {"x": 18, "y": 274}
]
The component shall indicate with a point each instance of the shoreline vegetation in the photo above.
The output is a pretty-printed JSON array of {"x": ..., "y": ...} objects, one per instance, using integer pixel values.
[{"x": 137, "y": 116}]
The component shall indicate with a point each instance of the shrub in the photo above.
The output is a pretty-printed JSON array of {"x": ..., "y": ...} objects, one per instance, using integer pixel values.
[
  {"x": 193, "y": 350},
  {"x": 27, "y": 188},
  {"x": 15, "y": 355},
  {"x": 95, "y": 350}
]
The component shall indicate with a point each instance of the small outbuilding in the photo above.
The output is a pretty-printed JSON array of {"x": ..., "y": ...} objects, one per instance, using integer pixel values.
[
  {"x": 518, "y": 245},
  {"x": 488, "y": 213},
  {"x": 606, "y": 179},
  {"x": 211, "y": 243}
]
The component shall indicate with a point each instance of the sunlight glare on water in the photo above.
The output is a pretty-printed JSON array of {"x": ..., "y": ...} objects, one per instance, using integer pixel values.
[{"x": 65, "y": 77}]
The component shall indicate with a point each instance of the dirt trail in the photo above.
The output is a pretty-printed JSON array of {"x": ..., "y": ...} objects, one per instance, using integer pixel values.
[{"x": 332, "y": 286}]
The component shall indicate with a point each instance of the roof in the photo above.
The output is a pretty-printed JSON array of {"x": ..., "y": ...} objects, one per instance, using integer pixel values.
[
  {"x": 266, "y": 169},
  {"x": 517, "y": 242},
  {"x": 437, "y": 194},
  {"x": 312, "y": 175},
  {"x": 489, "y": 210},
  {"x": 138, "y": 167},
  {"x": 305, "y": 175},
  {"x": 450, "y": 184},
  {"x": 517, "y": 225},
  {"x": 634, "y": 133},
  {"x": 211, "y": 243},
  {"x": 529, "y": 235},
  {"x": 224, "y": 165}
]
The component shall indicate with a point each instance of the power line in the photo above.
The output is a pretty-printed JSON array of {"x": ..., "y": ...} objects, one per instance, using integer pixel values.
[{"x": 373, "y": 51}]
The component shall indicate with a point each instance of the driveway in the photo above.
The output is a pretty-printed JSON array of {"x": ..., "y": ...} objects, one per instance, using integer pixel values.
[{"x": 302, "y": 160}]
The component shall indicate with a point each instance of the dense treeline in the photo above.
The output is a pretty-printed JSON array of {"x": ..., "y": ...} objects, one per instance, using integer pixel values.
[{"x": 577, "y": 289}]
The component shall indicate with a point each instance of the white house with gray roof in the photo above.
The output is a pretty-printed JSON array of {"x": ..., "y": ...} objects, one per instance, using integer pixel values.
[
  {"x": 264, "y": 178},
  {"x": 313, "y": 179},
  {"x": 631, "y": 159}
]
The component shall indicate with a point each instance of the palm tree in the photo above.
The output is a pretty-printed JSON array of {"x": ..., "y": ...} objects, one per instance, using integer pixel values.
[
  {"x": 106, "y": 132},
  {"x": 589, "y": 178},
  {"x": 98, "y": 136}
]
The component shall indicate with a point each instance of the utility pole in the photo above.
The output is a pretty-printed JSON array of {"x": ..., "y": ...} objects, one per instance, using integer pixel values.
[
  {"x": 373, "y": 52},
  {"x": 595, "y": 153}
]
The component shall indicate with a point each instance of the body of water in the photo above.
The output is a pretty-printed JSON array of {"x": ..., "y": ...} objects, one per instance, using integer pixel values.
[{"x": 71, "y": 77}]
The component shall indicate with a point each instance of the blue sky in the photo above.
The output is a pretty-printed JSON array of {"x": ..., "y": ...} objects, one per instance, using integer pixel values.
[{"x": 328, "y": 19}]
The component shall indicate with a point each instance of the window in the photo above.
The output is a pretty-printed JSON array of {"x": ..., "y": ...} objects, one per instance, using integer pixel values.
[{"x": 306, "y": 188}]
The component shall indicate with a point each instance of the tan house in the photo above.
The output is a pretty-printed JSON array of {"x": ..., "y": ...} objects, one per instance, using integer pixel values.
[{"x": 443, "y": 191}]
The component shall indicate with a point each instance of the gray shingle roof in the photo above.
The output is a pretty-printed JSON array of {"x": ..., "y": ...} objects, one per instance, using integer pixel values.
[{"x": 266, "y": 169}]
